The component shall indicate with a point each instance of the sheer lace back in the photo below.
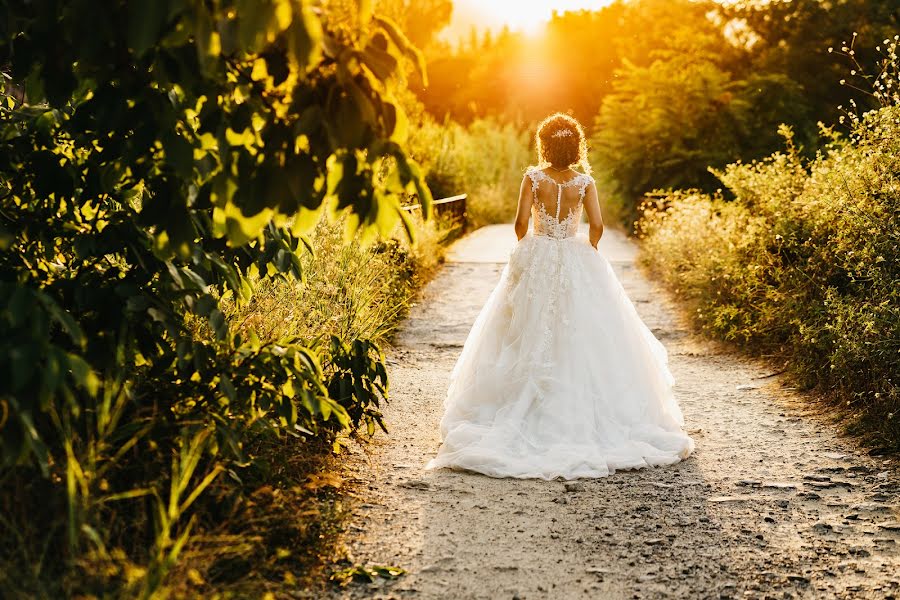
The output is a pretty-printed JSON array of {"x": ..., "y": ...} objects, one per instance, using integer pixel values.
[{"x": 549, "y": 199}]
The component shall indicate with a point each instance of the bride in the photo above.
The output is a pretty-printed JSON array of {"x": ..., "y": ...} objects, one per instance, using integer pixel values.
[{"x": 559, "y": 376}]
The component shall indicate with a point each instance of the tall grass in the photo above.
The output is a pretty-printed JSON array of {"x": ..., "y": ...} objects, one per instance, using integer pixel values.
[
  {"x": 485, "y": 160},
  {"x": 293, "y": 522},
  {"x": 349, "y": 290}
]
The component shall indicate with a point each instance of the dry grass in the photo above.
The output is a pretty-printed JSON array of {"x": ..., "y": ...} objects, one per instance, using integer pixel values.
[{"x": 349, "y": 290}]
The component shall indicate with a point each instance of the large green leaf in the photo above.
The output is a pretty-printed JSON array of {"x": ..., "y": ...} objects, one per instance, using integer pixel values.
[
  {"x": 145, "y": 22},
  {"x": 305, "y": 35}
]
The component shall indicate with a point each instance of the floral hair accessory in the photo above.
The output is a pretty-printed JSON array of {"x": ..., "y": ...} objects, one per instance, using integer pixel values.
[{"x": 563, "y": 133}]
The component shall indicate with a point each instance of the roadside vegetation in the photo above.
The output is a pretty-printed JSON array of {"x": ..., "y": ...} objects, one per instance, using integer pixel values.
[
  {"x": 799, "y": 259},
  {"x": 202, "y": 258}
]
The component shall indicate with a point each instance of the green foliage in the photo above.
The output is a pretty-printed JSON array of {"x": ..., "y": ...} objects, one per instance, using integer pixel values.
[
  {"x": 666, "y": 123},
  {"x": 681, "y": 107},
  {"x": 792, "y": 39},
  {"x": 168, "y": 163},
  {"x": 803, "y": 263}
]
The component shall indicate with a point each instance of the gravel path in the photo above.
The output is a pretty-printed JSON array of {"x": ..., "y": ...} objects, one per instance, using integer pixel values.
[{"x": 774, "y": 503}]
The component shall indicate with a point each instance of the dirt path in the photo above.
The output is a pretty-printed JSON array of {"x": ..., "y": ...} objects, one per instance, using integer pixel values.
[{"x": 774, "y": 504}]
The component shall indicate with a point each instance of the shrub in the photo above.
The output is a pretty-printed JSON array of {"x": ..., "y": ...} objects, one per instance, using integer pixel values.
[
  {"x": 169, "y": 158},
  {"x": 804, "y": 262},
  {"x": 350, "y": 290}
]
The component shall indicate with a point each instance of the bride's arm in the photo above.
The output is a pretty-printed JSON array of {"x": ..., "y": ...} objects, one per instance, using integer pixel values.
[
  {"x": 524, "y": 210},
  {"x": 595, "y": 219}
]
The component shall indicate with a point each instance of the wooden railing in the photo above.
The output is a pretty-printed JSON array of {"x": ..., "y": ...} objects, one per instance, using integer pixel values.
[{"x": 454, "y": 206}]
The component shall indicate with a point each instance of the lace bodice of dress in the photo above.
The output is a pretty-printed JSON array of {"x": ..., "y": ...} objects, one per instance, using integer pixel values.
[{"x": 548, "y": 225}]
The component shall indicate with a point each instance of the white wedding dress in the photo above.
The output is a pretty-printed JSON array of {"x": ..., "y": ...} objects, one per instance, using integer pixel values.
[{"x": 559, "y": 377}]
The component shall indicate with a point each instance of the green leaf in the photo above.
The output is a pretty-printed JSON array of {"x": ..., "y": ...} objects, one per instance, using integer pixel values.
[
  {"x": 218, "y": 323},
  {"x": 366, "y": 109},
  {"x": 411, "y": 173},
  {"x": 305, "y": 36},
  {"x": 238, "y": 228},
  {"x": 408, "y": 225},
  {"x": 145, "y": 22},
  {"x": 64, "y": 319},
  {"x": 82, "y": 373},
  {"x": 205, "y": 305},
  {"x": 380, "y": 62},
  {"x": 180, "y": 232},
  {"x": 255, "y": 21},
  {"x": 33, "y": 440},
  {"x": 386, "y": 213},
  {"x": 179, "y": 154},
  {"x": 227, "y": 388},
  {"x": 405, "y": 46},
  {"x": 283, "y": 260},
  {"x": 345, "y": 119}
]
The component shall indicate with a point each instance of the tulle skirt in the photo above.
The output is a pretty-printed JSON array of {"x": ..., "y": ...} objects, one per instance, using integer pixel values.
[{"x": 559, "y": 376}]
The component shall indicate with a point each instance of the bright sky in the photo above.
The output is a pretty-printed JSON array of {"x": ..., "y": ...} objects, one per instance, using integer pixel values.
[{"x": 522, "y": 15}]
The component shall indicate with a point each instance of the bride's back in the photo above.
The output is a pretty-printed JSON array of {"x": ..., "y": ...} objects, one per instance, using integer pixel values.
[{"x": 557, "y": 201}]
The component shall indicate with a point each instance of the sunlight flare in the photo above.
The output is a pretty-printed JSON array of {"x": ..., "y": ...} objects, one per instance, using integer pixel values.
[{"x": 527, "y": 16}]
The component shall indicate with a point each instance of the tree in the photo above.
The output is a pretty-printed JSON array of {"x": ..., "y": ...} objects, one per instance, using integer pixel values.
[
  {"x": 170, "y": 154},
  {"x": 682, "y": 111},
  {"x": 793, "y": 37}
]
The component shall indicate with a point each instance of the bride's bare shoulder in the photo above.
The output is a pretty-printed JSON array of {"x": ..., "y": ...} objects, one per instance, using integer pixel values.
[{"x": 535, "y": 174}]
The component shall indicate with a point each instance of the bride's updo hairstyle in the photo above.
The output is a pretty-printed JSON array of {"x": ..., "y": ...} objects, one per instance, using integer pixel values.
[{"x": 561, "y": 144}]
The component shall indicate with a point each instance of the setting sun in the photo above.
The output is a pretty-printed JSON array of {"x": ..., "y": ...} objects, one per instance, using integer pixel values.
[{"x": 527, "y": 16}]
